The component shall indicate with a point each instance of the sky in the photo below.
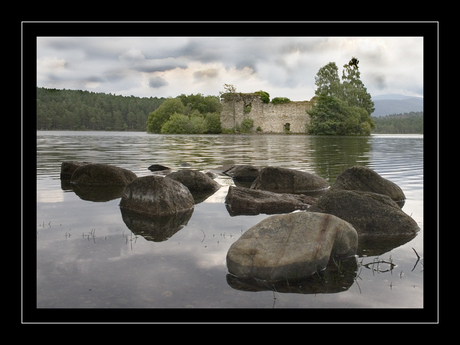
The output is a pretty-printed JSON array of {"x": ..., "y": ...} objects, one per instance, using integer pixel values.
[{"x": 170, "y": 66}]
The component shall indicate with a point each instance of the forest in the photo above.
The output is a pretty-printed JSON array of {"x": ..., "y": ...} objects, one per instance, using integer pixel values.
[
  {"x": 85, "y": 110},
  {"x": 407, "y": 123}
]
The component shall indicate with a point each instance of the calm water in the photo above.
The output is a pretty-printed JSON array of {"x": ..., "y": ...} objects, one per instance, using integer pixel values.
[{"x": 88, "y": 257}]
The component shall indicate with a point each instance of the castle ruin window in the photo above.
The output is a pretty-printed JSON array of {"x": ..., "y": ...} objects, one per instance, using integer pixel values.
[{"x": 287, "y": 127}]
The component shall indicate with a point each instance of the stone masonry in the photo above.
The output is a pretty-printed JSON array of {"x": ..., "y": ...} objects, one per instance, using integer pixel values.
[{"x": 271, "y": 118}]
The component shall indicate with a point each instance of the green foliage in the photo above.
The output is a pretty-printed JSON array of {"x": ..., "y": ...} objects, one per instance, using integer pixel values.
[
  {"x": 264, "y": 96},
  {"x": 203, "y": 104},
  {"x": 200, "y": 115},
  {"x": 341, "y": 108},
  {"x": 183, "y": 124},
  {"x": 212, "y": 123},
  {"x": 177, "y": 124},
  {"x": 278, "y": 100},
  {"x": 247, "y": 109},
  {"x": 160, "y": 116},
  {"x": 246, "y": 126},
  {"x": 327, "y": 81},
  {"x": 197, "y": 125},
  {"x": 333, "y": 116},
  {"x": 354, "y": 91},
  {"x": 400, "y": 123},
  {"x": 85, "y": 110}
]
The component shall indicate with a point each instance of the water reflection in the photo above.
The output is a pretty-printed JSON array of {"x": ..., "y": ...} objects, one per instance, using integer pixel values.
[
  {"x": 98, "y": 193},
  {"x": 93, "y": 193},
  {"x": 155, "y": 228},
  {"x": 337, "y": 277},
  {"x": 378, "y": 245},
  {"x": 332, "y": 155}
]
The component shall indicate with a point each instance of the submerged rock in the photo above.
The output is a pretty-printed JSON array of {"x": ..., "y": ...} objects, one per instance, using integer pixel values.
[
  {"x": 156, "y": 195},
  {"x": 245, "y": 201},
  {"x": 364, "y": 179},
  {"x": 158, "y": 167},
  {"x": 371, "y": 214},
  {"x": 291, "y": 246},
  {"x": 102, "y": 175},
  {"x": 282, "y": 180}
]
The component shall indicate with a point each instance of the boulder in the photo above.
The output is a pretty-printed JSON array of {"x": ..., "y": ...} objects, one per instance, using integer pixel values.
[
  {"x": 194, "y": 180},
  {"x": 245, "y": 201},
  {"x": 156, "y": 195},
  {"x": 68, "y": 168},
  {"x": 102, "y": 175},
  {"x": 371, "y": 214},
  {"x": 364, "y": 179},
  {"x": 291, "y": 246},
  {"x": 282, "y": 180},
  {"x": 243, "y": 173}
]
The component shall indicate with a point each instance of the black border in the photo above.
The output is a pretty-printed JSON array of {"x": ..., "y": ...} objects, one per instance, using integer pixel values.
[{"x": 429, "y": 30}]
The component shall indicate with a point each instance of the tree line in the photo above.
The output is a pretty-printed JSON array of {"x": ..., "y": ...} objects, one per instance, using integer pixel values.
[
  {"x": 400, "y": 123},
  {"x": 191, "y": 114},
  {"x": 85, "y": 110}
]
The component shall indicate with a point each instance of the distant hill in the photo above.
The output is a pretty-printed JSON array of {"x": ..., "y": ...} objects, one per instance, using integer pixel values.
[{"x": 396, "y": 104}]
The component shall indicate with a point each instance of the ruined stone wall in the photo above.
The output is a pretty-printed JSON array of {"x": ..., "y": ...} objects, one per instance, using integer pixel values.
[{"x": 271, "y": 118}]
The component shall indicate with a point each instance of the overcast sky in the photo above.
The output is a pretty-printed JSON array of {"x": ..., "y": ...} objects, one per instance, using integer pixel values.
[{"x": 170, "y": 66}]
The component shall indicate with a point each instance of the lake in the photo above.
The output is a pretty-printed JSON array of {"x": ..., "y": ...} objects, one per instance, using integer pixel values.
[{"x": 87, "y": 256}]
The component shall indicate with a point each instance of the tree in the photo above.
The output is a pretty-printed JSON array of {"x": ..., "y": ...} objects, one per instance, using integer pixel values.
[
  {"x": 353, "y": 88},
  {"x": 157, "y": 118},
  {"x": 177, "y": 124},
  {"x": 341, "y": 108},
  {"x": 204, "y": 104},
  {"x": 327, "y": 81},
  {"x": 212, "y": 122}
]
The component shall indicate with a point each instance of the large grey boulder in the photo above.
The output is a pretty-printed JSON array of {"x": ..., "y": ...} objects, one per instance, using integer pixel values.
[
  {"x": 282, "y": 180},
  {"x": 156, "y": 196},
  {"x": 291, "y": 246},
  {"x": 101, "y": 175},
  {"x": 367, "y": 180},
  {"x": 371, "y": 214},
  {"x": 245, "y": 201}
]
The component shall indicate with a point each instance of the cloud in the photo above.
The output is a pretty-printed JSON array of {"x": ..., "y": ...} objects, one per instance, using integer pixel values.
[
  {"x": 206, "y": 74},
  {"x": 132, "y": 55},
  {"x": 283, "y": 66},
  {"x": 157, "y": 82}
]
